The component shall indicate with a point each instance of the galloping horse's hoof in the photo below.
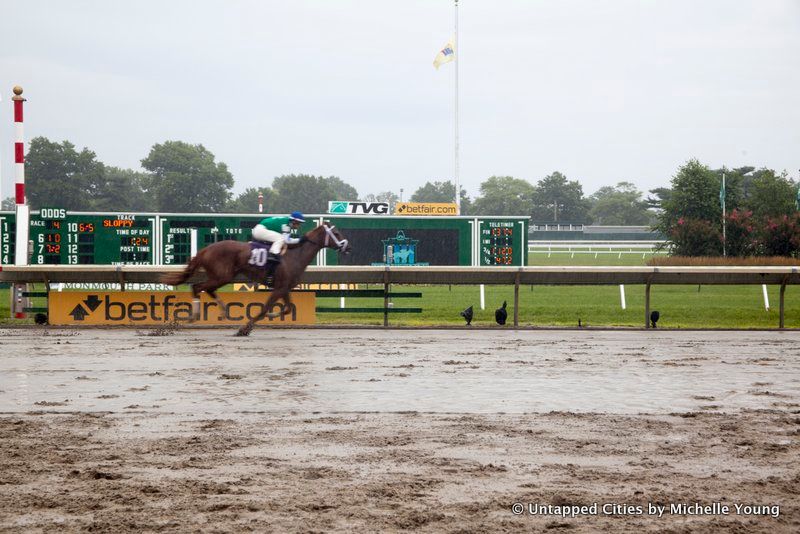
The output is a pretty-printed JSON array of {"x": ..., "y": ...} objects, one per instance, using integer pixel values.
[{"x": 244, "y": 331}]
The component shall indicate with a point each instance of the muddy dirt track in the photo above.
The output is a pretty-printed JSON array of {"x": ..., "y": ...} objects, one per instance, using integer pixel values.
[{"x": 372, "y": 430}]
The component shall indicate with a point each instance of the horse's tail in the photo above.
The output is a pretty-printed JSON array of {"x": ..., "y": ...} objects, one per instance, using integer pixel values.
[{"x": 175, "y": 279}]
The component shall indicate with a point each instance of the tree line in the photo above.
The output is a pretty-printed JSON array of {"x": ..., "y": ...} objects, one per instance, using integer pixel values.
[
  {"x": 181, "y": 177},
  {"x": 760, "y": 216}
]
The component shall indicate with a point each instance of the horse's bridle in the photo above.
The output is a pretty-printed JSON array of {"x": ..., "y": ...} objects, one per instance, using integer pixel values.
[{"x": 330, "y": 236}]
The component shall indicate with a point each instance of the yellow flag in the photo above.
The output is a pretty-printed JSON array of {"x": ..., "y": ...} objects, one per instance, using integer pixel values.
[{"x": 445, "y": 55}]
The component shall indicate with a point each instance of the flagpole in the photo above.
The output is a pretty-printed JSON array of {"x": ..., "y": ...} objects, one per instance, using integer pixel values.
[
  {"x": 457, "y": 53},
  {"x": 797, "y": 198},
  {"x": 724, "y": 240}
]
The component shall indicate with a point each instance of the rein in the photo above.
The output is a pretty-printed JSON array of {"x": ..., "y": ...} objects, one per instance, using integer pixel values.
[{"x": 330, "y": 236}]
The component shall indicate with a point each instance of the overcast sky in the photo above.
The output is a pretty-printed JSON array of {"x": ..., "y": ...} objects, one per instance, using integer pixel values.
[{"x": 602, "y": 91}]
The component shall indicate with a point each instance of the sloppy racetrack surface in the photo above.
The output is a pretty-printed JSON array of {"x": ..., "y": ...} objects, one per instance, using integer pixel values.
[{"x": 376, "y": 430}]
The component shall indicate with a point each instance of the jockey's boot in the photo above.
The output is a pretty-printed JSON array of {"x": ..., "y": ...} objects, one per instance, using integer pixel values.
[{"x": 273, "y": 260}]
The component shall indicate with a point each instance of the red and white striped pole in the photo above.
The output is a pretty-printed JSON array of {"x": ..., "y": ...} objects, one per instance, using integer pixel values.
[
  {"x": 19, "y": 147},
  {"x": 22, "y": 211},
  {"x": 260, "y": 202},
  {"x": 23, "y": 214}
]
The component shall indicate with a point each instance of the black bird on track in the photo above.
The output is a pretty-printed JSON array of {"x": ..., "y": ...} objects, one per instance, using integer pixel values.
[
  {"x": 654, "y": 318},
  {"x": 467, "y": 315},
  {"x": 500, "y": 314}
]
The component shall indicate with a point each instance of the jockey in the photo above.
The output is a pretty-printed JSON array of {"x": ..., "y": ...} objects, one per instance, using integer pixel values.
[{"x": 278, "y": 230}]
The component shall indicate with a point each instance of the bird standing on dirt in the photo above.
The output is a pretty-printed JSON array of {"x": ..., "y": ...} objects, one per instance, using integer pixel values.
[
  {"x": 500, "y": 314},
  {"x": 467, "y": 315}
]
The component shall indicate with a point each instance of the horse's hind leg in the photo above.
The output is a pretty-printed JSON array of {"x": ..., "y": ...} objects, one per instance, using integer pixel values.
[
  {"x": 210, "y": 287},
  {"x": 223, "y": 308},
  {"x": 196, "y": 289}
]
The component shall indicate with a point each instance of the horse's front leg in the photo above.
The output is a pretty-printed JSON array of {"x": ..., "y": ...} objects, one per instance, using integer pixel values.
[
  {"x": 273, "y": 298},
  {"x": 285, "y": 308}
]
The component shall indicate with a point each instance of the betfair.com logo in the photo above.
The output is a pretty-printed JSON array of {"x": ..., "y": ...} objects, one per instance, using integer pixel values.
[
  {"x": 425, "y": 208},
  {"x": 166, "y": 307},
  {"x": 169, "y": 308}
]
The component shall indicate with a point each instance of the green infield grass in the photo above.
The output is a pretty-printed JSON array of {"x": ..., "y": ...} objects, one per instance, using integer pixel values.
[
  {"x": 679, "y": 306},
  {"x": 593, "y": 258}
]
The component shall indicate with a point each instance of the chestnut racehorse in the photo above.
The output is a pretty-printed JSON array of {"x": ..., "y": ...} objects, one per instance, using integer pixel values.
[{"x": 224, "y": 260}]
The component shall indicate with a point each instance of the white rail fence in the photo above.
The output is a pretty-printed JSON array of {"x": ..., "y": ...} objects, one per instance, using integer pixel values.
[
  {"x": 597, "y": 247},
  {"x": 514, "y": 276}
]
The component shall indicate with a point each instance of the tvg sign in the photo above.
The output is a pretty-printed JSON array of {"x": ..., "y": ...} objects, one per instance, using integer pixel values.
[
  {"x": 338, "y": 207},
  {"x": 358, "y": 208}
]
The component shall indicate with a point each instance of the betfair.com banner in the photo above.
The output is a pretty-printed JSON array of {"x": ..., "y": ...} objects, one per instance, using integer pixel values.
[
  {"x": 425, "y": 208},
  {"x": 165, "y": 307}
]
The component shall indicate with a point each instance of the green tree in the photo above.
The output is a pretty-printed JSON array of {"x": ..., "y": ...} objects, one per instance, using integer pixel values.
[
  {"x": 247, "y": 202},
  {"x": 657, "y": 197},
  {"x": 384, "y": 196},
  {"x": 60, "y": 176},
  {"x": 691, "y": 216},
  {"x": 504, "y": 195},
  {"x": 770, "y": 195},
  {"x": 123, "y": 190},
  {"x": 341, "y": 190},
  {"x": 186, "y": 178},
  {"x": 467, "y": 206},
  {"x": 619, "y": 205},
  {"x": 303, "y": 192},
  {"x": 735, "y": 186},
  {"x": 695, "y": 237},
  {"x": 556, "y": 199},
  {"x": 435, "y": 192},
  {"x": 780, "y": 236},
  {"x": 442, "y": 192},
  {"x": 744, "y": 185},
  {"x": 741, "y": 237},
  {"x": 695, "y": 195}
]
